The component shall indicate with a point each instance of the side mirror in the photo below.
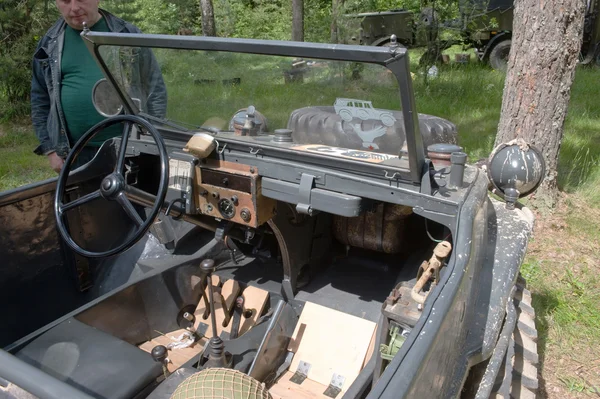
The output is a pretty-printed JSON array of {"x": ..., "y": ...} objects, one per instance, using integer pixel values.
[
  {"x": 105, "y": 99},
  {"x": 515, "y": 170}
]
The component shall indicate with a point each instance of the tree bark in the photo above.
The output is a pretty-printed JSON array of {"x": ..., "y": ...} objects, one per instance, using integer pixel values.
[
  {"x": 541, "y": 67},
  {"x": 336, "y": 8},
  {"x": 298, "y": 20},
  {"x": 208, "y": 18}
]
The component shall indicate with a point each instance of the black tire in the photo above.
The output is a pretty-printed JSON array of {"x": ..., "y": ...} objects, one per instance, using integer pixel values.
[
  {"x": 519, "y": 379},
  {"x": 499, "y": 55},
  {"x": 518, "y": 374},
  {"x": 321, "y": 125}
]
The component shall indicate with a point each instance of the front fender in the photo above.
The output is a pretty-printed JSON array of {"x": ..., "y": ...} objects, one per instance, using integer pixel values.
[
  {"x": 462, "y": 317},
  {"x": 508, "y": 236}
]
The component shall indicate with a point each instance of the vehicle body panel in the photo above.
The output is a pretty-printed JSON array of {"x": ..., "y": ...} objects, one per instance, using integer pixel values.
[{"x": 462, "y": 316}]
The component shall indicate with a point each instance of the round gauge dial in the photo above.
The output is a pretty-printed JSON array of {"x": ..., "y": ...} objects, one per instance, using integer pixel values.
[{"x": 226, "y": 208}]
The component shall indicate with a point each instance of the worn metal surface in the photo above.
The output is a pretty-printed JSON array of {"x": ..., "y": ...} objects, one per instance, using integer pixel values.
[
  {"x": 136, "y": 313},
  {"x": 303, "y": 241},
  {"x": 381, "y": 230},
  {"x": 401, "y": 307},
  {"x": 28, "y": 235},
  {"x": 32, "y": 267},
  {"x": 430, "y": 270},
  {"x": 507, "y": 238},
  {"x": 431, "y": 363}
]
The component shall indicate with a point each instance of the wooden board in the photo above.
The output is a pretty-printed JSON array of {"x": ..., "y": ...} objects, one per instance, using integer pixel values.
[
  {"x": 229, "y": 292},
  {"x": 255, "y": 300},
  {"x": 331, "y": 342},
  {"x": 177, "y": 356},
  {"x": 284, "y": 388}
]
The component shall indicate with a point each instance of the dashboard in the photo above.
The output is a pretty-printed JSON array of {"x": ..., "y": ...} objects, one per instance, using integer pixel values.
[{"x": 220, "y": 189}]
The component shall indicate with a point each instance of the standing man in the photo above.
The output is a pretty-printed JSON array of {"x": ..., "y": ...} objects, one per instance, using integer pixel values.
[{"x": 64, "y": 74}]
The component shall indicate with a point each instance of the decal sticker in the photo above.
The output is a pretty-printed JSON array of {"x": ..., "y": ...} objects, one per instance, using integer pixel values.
[
  {"x": 369, "y": 136},
  {"x": 180, "y": 174},
  {"x": 350, "y": 109},
  {"x": 367, "y": 156}
]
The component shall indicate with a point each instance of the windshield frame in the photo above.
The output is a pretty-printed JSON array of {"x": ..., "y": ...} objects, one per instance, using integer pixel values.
[{"x": 395, "y": 59}]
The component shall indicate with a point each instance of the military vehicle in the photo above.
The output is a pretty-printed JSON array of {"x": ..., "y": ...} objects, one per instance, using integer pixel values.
[
  {"x": 376, "y": 28},
  {"x": 291, "y": 253},
  {"x": 484, "y": 24},
  {"x": 488, "y": 27}
]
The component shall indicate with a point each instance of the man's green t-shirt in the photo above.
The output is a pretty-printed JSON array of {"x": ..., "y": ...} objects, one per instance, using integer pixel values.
[{"x": 79, "y": 74}]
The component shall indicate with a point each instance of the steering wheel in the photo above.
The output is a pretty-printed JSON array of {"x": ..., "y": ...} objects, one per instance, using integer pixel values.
[{"x": 114, "y": 186}]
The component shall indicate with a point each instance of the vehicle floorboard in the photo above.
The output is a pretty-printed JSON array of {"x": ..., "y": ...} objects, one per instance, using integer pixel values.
[{"x": 353, "y": 285}]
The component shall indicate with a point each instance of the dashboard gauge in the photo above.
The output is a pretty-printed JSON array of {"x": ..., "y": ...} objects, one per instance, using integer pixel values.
[{"x": 226, "y": 208}]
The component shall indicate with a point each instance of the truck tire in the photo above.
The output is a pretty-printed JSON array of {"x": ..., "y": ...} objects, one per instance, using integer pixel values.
[
  {"x": 499, "y": 55},
  {"x": 321, "y": 125},
  {"x": 521, "y": 381},
  {"x": 517, "y": 377}
]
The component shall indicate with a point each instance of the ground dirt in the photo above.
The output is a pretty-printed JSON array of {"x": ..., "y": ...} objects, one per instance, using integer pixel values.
[{"x": 562, "y": 273}]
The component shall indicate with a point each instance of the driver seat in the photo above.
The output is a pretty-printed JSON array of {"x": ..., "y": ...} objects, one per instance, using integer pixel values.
[{"x": 92, "y": 361}]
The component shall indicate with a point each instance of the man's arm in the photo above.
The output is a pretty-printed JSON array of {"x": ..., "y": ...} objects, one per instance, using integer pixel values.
[
  {"x": 40, "y": 102},
  {"x": 40, "y": 109},
  {"x": 154, "y": 84}
]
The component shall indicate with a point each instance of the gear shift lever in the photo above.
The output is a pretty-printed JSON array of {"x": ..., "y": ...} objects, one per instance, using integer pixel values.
[
  {"x": 159, "y": 354},
  {"x": 217, "y": 357}
]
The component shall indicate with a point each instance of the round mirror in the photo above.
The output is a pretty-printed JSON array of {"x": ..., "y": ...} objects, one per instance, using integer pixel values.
[
  {"x": 516, "y": 166},
  {"x": 105, "y": 99}
]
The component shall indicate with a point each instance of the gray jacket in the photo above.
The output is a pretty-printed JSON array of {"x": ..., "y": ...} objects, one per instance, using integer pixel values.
[{"x": 140, "y": 69}]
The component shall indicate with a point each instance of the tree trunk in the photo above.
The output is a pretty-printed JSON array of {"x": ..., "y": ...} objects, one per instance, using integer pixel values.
[
  {"x": 208, "y": 18},
  {"x": 336, "y": 8},
  {"x": 541, "y": 67},
  {"x": 298, "y": 20}
]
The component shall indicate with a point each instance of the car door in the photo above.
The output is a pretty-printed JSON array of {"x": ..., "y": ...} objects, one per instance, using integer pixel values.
[{"x": 40, "y": 277}]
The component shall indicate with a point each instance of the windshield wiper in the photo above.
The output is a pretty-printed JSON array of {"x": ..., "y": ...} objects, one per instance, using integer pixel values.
[{"x": 168, "y": 122}]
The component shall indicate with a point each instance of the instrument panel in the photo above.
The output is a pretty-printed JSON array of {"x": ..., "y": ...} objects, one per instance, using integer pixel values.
[{"x": 231, "y": 191}]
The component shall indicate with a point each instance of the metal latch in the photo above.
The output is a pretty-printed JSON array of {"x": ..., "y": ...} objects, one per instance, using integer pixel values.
[
  {"x": 301, "y": 373},
  {"x": 307, "y": 183},
  {"x": 335, "y": 386},
  {"x": 430, "y": 270}
]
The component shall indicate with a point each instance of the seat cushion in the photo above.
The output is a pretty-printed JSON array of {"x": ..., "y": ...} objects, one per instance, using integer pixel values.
[{"x": 91, "y": 360}]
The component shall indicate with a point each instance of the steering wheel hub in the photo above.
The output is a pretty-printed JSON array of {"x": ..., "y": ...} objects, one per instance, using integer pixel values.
[{"x": 111, "y": 186}]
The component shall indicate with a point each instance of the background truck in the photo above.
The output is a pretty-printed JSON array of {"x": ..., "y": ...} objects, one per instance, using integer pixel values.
[
  {"x": 486, "y": 25},
  {"x": 489, "y": 30}
]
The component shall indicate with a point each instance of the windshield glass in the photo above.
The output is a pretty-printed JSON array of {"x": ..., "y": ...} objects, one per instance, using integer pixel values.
[{"x": 331, "y": 106}]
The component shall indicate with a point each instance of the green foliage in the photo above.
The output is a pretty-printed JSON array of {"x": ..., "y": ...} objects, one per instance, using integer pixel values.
[
  {"x": 317, "y": 20},
  {"x": 22, "y": 22},
  {"x": 258, "y": 19},
  {"x": 158, "y": 16}
]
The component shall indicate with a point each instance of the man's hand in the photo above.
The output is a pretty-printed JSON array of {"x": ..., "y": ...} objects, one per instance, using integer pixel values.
[{"x": 56, "y": 162}]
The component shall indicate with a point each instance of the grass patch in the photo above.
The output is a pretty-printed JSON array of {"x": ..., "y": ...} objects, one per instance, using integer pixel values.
[
  {"x": 561, "y": 270},
  {"x": 18, "y": 164}
]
